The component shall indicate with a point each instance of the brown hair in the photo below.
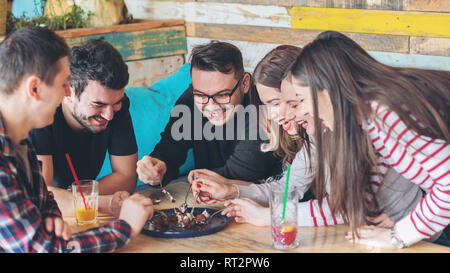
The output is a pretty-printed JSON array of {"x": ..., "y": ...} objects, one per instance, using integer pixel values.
[
  {"x": 27, "y": 51},
  {"x": 218, "y": 56},
  {"x": 353, "y": 79},
  {"x": 270, "y": 71},
  {"x": 97, "y": 60}
]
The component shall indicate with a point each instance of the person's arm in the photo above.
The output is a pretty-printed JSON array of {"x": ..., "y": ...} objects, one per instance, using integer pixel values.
[
  {"x": 23, "y": 230},
  {"x": 311, "y": 214},
  {"x": 422, "y": 160},
  {"x": 123, "y": 176},
  {"x": 122, "y": 148},
  {"x": 97, "y": 240},
  {"x": 301, "y": 176},
  {"x": 64, "y": 198},
  {"x": 107, "y": 204}
]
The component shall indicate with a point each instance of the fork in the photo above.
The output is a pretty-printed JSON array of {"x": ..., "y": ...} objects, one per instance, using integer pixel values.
[
  {"x": 193, "y": 205},
  {"x": 166, "y": 193},
  {"x": 184, "y": 206},
  {"x": 212, "y": 215}
]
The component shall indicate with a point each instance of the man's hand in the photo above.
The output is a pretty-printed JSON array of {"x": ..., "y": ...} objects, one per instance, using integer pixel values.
[
  {"x": 116, "y": 202},
  {"x": 60, "y": 227},
  {"x": 151, "y": 170},
  {"x": 136, "y": 210}
]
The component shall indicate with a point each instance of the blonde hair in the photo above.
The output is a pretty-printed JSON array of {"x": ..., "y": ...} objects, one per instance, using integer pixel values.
[{"x": 270, "y": 71}]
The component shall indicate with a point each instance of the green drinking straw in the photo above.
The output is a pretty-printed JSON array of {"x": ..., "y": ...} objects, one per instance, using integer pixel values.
[{"x": 286, "y": 191}]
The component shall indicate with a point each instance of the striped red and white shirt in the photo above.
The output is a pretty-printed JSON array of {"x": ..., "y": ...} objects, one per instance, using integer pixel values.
[
  {"x": 396, "y": 196},
  {"x": 423, "y": 161},
  {"x": 419, "y": 159},
  {"x": 386, "y": 185}
]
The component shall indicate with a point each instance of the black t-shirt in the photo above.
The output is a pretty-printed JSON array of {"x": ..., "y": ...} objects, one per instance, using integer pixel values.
[
  {"x": 238, "y": 158},
  {"x": 87, "y": 151}
]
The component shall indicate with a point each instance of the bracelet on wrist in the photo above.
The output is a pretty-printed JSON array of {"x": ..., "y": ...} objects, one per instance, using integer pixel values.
[{"x": 396, "y": 241}]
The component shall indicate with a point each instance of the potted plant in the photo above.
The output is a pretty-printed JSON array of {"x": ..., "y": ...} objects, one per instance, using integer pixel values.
[
  {"x": 72, "y": 17},
  {"x": 107, "y": 12}
]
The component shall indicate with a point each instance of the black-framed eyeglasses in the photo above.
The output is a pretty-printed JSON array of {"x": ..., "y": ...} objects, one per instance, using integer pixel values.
[{"x": 217, "y": 98}]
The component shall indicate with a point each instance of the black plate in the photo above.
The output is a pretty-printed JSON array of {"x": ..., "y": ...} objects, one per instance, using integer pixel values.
[{"x": 217, "y": 223}]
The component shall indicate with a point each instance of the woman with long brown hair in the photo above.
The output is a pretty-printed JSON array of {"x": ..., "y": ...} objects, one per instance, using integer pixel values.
[
  {"x": 366, "y": 113},
  {"x": 251, "y": 203}
]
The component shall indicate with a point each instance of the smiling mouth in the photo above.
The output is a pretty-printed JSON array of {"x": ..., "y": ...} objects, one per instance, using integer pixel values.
[
  {"x": 215, "y": 114},
  {"x": 303, "y": 123},
  {"x": 100, "y": 121},
  {"x": 285, "y": 124}
]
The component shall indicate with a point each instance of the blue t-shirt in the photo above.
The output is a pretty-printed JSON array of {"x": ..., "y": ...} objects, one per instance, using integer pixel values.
[{"x": 86, "y": 150}]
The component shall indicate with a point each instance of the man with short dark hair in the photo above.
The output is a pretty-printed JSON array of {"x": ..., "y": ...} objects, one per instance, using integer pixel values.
[
  {"x": 34, "y": 75},
  {"x": 219, "y": 87},
  {"x": 92, "y": 120}
]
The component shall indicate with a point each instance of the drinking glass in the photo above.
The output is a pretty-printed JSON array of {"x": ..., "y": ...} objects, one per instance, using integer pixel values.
[
  {"x": 284, "y": 231},
  {"x": 86, "y": 211}
]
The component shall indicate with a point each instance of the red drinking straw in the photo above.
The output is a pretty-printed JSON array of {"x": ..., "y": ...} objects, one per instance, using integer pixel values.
[{"x": 76, "y": 179}]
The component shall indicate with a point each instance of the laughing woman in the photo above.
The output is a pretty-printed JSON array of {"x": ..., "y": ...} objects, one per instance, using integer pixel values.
[{"x": 364, "y": 113}]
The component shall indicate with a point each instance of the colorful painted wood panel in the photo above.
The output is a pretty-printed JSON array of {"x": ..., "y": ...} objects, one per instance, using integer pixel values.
[
  {"x": 430, "y": 24},
  {"x": 142, "y": 44}
]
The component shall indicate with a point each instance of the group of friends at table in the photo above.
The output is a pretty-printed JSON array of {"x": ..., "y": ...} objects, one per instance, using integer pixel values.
[{"x": 367, "y": 143}]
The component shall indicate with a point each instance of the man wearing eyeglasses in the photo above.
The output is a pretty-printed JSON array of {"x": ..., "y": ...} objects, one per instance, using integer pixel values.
[{"x": 219, "y": 87}]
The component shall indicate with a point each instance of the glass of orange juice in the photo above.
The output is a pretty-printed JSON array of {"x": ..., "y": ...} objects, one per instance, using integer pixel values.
[
  {"x": 86, "y": 211},
  {"x": 284, "y": 231}
]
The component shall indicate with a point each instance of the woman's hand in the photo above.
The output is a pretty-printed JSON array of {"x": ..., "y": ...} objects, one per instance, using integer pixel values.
[
  {"x": 245, "y": 210},
  {"x": 209, "y": 191},
  {"x": 207, "y": 174},
  {"x": 372, "y": 236}
]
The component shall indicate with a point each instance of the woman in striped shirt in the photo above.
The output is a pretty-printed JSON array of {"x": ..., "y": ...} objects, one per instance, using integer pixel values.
[{"x": 364, "y": 113}]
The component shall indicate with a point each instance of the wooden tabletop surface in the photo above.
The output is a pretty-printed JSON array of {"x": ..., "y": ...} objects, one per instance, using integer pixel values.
[{"x": 246, "y": 238}]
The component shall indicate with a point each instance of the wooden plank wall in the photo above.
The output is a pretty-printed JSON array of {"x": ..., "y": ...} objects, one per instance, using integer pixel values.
[
  {"x": 152, "y": 50},
  {"x": 396, "y": 32}
]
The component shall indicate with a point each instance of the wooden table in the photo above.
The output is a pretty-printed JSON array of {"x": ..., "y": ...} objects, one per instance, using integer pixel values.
[{"x": 246, "y": 238}]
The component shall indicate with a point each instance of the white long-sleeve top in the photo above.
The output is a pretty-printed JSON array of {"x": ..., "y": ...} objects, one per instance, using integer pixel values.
[{"x": 423, "y": 161}]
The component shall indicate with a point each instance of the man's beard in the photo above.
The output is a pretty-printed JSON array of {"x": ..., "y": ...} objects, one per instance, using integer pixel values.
[{"x": 83, "y": 121}]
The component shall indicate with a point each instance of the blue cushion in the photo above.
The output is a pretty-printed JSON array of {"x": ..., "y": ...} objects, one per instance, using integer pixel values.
[{"x": 150, "y": 110}]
